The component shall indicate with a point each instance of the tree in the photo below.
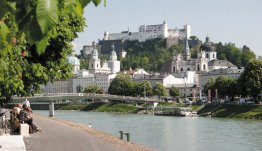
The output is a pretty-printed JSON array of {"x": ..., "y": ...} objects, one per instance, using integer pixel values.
[
  {"x": 28, "y": 57},
  {"x": 175, "y": 49},
  {"x": 121, "y": 85},
  {"x": 193, "y": 37},
  {"x": 246, "y": 55},
  {"x": 36, "y": 19},
  {"x": 144, "y": 88},
  {"x": 93, "y": 89},
  {"x": 174, "y": 92},
  {"x": 210, "y": 85},
  {"x": 251, "y": 79},
  {"x": 79, "y": 89},
  {"x": 159, "y": 90}
]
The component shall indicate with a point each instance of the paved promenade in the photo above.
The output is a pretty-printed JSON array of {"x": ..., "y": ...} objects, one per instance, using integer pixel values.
[{"x": 58, "y": 135}]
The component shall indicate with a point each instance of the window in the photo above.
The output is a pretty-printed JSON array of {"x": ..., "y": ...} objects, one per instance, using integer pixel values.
[
  {"x": 204, "y": 67},
  {"x": 206, "y": 55},
  {"x": 198, "y": 67},
  {"x": 188, "y": 69},
  {"x": 181, "y": 69}
]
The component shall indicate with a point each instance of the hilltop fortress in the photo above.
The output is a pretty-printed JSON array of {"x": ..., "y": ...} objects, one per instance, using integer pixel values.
[{"x": 147, "y": 32}]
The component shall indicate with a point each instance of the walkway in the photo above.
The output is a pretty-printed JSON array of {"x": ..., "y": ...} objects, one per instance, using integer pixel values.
[{"x": 66, "y": 136}]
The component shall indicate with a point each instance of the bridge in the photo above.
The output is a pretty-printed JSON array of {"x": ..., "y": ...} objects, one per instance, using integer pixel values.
[{"x": 56, "y": 97}]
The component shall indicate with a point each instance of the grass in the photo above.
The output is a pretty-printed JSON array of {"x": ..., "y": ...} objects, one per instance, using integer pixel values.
[
  {"x": 111, "y": 107},
  {"x": 72, "y": 106},
  {"x": 234, "y": 111}
]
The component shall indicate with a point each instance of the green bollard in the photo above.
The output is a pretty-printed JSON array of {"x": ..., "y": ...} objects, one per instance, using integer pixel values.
[
  {"x": 121, "y": 135},
  {"x": 128, "y": 137}
]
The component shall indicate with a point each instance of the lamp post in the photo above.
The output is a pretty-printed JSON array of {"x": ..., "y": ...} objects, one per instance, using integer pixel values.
[
  {"x": 185, "y": 91},
  {"x": 144, "y": 91}
]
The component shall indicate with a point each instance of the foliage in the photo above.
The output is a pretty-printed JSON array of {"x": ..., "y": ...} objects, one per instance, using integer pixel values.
[
  {"x": 210, "y": 85},
  {"x": 251, "y": 79},
  {"x": 237, "y": 56},
  {"x": 93, "y": 89},
  {"x": 225, "y": 86},
  {"x": 34, "y": 50},
  {"x": 79, "y": 89},
  {"x": 176, "y": 49},
  {"x": 149, "y": 55},
  {"x": 122, "y": 85},
  {"x": 246, "y": 55},
  {"x": 72, "y": 106},
  {"x": 159, "y": 90},
  {"x": 111, "y": 107},
  {"x": 144, "y": 88},
  {"x": 174, "y": 92},
  {"x": 37, "y": 19},
  {"x": 84, "y": 63}
]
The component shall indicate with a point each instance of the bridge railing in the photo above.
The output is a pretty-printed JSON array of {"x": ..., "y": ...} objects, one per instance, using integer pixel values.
[{"x": 95, "y": 96}]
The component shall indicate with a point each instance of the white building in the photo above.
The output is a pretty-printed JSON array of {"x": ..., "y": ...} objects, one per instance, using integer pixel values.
[
  {"x": 183, "y": 63},
  {"x": 97, "y": 74},
  {"x": 187, "y": 85},
  {"x": 103, "y": 80},
  {"x": 111, "y": 66},
  {"x": 146, "y": 32},
  {"x": 137, "y": 73}
]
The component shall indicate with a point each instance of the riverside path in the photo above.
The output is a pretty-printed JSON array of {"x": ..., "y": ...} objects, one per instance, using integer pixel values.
[{"x": 58, "y": 135}]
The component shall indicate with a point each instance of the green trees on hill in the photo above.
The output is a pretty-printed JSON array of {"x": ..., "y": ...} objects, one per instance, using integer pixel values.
[
  {"x": 238, "y": 56},
  {"x": 149, "y": 55}
]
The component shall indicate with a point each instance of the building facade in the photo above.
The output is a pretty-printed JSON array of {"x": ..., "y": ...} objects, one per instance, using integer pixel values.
[{"x": 146, "y": 32}]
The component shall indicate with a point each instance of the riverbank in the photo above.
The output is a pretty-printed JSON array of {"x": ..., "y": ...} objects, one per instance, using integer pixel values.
[
  {"x": 63, "y": 135},
  {"x": 232, "y": 111},
  {"x": 102, "y": 107}
]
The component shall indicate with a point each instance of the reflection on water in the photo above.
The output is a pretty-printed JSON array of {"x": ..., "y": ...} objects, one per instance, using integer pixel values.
[{"x": 175, "y": 133}]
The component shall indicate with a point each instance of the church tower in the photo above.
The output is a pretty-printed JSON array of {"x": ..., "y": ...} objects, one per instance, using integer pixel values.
[
  {"x": 94, "y": 63},
  {"x": 113, "y": 63},
  {"x": 187, "y": 55}
]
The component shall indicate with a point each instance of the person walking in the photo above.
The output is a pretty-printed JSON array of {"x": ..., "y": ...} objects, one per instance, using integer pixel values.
[{"x": 27, "y": 103}]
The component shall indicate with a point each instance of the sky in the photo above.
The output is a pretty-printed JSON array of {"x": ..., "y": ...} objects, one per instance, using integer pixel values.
[{"x": 235, "y": 21}]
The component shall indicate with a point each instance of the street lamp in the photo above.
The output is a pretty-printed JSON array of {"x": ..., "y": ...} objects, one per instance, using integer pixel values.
[{"x": 185, "y": 91}]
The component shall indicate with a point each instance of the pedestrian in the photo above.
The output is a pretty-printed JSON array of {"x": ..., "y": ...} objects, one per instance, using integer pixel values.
[
  {"x": 89, "y": 125},
  {"x": 27, "y": 103}
]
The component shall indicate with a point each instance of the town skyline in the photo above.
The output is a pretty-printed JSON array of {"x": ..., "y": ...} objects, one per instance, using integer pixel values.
[{"x": 235, "y": 21}]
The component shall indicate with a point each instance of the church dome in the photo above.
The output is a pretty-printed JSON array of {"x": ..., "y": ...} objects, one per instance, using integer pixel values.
[
  {"x": 207, "y": 46},
  {"x": 95, "y": 52},
  {"x": 73, "y": 61},
  {"x": 113, "y": 55}
]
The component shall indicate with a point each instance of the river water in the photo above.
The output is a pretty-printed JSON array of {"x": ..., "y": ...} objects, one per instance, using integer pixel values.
[{"x": 175, "y": 133}]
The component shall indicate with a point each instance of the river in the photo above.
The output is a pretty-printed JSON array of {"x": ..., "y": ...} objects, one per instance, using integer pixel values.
[{"x": 175, "y": 133}]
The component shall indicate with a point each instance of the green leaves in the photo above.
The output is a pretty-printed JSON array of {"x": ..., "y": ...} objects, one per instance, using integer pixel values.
[
  {"x": 47, "y": 14},
  {"x": 4, "y": 33}
]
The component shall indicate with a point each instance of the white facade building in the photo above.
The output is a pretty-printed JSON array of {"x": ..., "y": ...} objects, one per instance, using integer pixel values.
[
  {"x": 70, "y": 86},
  {"x": 111, "y": 66},
  {"x": 184, "y": 62},
  {"x": 146, "y": 32}
]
